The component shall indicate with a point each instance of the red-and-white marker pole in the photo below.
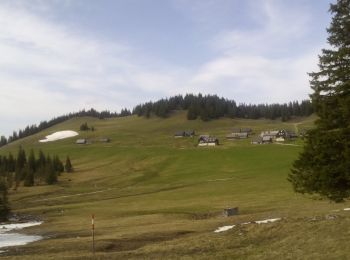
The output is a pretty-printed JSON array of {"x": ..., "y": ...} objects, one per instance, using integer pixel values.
[{"x": 93, "y": 232}]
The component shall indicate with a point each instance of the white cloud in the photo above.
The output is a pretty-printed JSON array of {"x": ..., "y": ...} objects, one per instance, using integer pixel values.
[
  {"x": 261, "y": 65},
  {"x": 47, "y": 69}
]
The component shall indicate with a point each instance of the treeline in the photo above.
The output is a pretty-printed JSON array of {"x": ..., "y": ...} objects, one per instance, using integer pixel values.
[
  {"x": 33, "y": 129},
  {"x": 31, "y": 170},
  {"x": 212, "y": 107},
  {"x": 198, "y": 106}
]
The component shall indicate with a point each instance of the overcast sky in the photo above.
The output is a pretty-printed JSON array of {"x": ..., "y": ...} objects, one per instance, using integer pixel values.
[{"x": 60, "y": 56}]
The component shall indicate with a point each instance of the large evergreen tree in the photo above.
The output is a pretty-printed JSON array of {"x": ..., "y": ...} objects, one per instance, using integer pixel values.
[
  {"x": 324, "y": 165},
  {"x": 4, "y": 207},
  {"x": 68, "y": 166}
]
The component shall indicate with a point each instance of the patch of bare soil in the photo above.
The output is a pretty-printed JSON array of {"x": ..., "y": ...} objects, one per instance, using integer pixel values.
[{"x": 132, "y": 243}]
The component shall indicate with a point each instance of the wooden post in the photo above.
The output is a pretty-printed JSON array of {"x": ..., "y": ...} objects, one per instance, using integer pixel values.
[{"x": 93, "y": 233}]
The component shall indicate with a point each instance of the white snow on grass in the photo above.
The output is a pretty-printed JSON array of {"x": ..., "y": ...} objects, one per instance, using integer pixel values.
[
  {"x": 15, "y": 239},
  {"x": 265, "y": 221},
  {"x": 58, "y": 136},
  {"x": 9, "y": 227},
  {"x": 347, "y": 209},
  {"x": 224, "y": 228}
]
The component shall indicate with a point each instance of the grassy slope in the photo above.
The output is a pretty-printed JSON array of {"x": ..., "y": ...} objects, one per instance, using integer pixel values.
[{"x": 159, "y": 197}]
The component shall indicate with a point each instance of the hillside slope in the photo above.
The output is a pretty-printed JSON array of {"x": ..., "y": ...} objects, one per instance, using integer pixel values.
[{"x": 155, "y": 196}]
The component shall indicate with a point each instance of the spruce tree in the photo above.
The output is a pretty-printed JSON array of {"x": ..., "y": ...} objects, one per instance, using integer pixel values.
[
  {"x": 324, "y": 165},
  {"x": 51, "y": 174},
  {"x": 29, "y": 176},
  {"x": 4, "y": 207},
  {"x": 20, "y": 163},
  {"x": 68, "y": 166}
]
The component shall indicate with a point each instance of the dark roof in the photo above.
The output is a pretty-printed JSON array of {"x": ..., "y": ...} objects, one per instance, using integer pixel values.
[
  {"x": 180, "y": 133},
  {"x": 237, "y": 135},
  {"x": 246, "y": 130}
]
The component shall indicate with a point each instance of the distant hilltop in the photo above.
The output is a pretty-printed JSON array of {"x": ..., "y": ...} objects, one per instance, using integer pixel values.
[{"x": 204, "y": 107}]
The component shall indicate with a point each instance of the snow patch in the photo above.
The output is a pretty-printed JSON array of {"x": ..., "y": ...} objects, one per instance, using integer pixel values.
[
  {"x": 58, "y": 136},
  {"x": 224, "y": 228},
  {"x": 347, "y": 209},
  {"x": 16, "y": 239},
  {"x": 265, "y": 221}
]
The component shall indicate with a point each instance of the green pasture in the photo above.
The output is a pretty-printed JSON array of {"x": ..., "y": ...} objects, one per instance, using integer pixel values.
[{"x": 157, "y": 197}]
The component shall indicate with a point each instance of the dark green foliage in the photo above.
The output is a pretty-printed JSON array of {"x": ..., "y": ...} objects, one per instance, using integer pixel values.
[
  {"x": 20, "y": 163},
  {"x": 84, "y": 127},
  {"x": 51, "y": 174},
  {"x": 324, "y": 165},
  {"x": 28, "y": 176},
  {"x": 58, "y": 165},
  {"x": 3, "y": 140},
  {"x": 212, "y": 107},
  {"x": 11, "y": 163},
  {"x": 192, "y": 113},
  {"x": 30, "y": 170},
  {"x": 68, "y": 166},
  {"x": 4, "y": 206}
]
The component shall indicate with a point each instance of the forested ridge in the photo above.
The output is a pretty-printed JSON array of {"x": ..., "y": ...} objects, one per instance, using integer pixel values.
[{"x": 205, "y": 107}]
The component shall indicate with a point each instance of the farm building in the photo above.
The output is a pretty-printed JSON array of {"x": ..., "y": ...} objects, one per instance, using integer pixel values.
[
  {"x": 81, "y": 141},
  {"x": 105, "y": 140},
  {"x": 257, "y": 140},
  {"x": 283, "y": 135},
  {"x": 230, "y": 212},
  {"x": 190, "y": 133},
  {"x": 206, "y": 140},
  {"x": 180, "y": 134},
  {"x": 266, "y": 139},
  {"x": 246, "y": 130},
  {"x": 237, "y": 136},
  {"x": 272, "y": 134}
]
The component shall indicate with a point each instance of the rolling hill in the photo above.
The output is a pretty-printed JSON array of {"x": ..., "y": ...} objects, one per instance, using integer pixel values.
[{"x": 157, "y": 197}]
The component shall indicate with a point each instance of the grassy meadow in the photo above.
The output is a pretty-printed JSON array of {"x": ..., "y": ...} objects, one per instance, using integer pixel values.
[{"x": 157, "y": 197}]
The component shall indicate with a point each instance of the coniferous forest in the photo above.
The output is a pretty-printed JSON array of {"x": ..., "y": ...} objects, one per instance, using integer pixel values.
[
  {"x": 202, "y": 107},
  {"x": 31, "y": 170},
  {"x": 28, "y": 171}
]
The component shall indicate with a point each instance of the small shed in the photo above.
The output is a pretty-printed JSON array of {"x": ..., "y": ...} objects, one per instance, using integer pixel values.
[
  {"x": 190, "y": 133},
  {"x": 81, "y": 141},
  {"x": 205, "y": 140},
  {"x": 179, "y": 134},
  {"x": 280, "y": 139},
  {"x": 105, "y": 140},
  {"x": 267, "y": 139},
  {"x": 257, "y": 140},
  {"x": 230, "y": 212},
  {"x": 246, "y": 130},
  {"x": 237, "y": 136},
  {"x": 236, "y": 130}
]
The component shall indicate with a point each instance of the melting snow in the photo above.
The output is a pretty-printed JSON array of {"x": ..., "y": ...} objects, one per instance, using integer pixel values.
[
  {"x": 265, "y": 221},
  {"x": 16, "y": 239},
  {"x": 224, "y": 228},
  {"x": 58, "y": 136}
]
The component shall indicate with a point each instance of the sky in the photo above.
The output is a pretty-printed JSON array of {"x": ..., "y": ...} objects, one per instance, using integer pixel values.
[{"x": 61, "y": 56}]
